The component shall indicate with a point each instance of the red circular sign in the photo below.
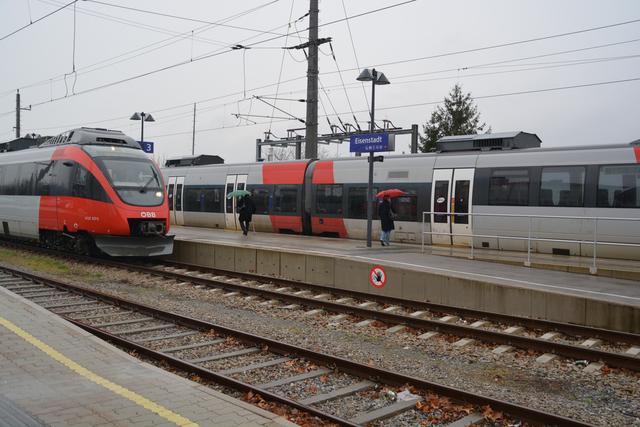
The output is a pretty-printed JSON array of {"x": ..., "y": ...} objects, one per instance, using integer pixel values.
[{"x": 377, "y": 277}]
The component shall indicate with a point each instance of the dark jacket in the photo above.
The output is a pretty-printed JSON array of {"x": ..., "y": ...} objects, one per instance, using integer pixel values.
[
  {"x": 246, "y": 208},
  {"x": 386, "y": 215}
]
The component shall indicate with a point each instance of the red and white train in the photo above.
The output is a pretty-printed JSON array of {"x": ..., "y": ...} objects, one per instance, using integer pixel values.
[
  {"x": 83, "y": 190},
  {"x": 328, "y": 197}
]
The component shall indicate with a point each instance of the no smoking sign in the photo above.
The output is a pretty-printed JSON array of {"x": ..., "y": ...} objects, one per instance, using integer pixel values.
[{"x": 377, "y": 277}]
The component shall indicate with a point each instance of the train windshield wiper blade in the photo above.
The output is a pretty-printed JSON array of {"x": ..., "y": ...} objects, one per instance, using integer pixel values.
[{"x": 154, "y": 177}]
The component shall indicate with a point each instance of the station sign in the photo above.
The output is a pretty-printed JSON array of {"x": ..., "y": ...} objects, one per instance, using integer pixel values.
[
  {"x": 146, "y": 146},
  {"x": 370, "y": 142}
]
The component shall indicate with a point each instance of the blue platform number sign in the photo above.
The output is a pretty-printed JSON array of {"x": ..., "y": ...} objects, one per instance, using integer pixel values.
[
  {"x": 368, "y": 142},
  {"x": 146, "y": 146}
]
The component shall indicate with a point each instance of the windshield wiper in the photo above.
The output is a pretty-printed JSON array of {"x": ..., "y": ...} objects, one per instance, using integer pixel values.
[{"x": 154, "y": 177}]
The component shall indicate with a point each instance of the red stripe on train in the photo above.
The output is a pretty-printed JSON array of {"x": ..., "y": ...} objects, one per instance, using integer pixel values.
[
  {"x": 636, "y": 150},
  {"x": 323, "y": 173},
  {"x": 283, "y": 173},
  {"x": 283, "y": 222},
  {"x": 329, "y": 225}
]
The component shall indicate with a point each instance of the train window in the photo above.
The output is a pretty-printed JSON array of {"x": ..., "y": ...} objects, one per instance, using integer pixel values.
[
  {"x": 461, "y": 201},
  {"x": 43, "y": 181},
  {"x": 85, "y": 185},
  {"x": 193, "y": 199},
  {"x": 285, "y": 199},
  {"x": 509, "y": 187},
  {"x": 619, "y": 186},
  {"x": 170, "y": 195},
  {"x": 329, "y": 199},
  {"x": 406, "y": 207},
  {"x": 212, "y": 199},
  {"x": 441, "y": 201},
  {"x": 562, "y": 186},
  {"x": 26, "y": 180},
  {"x": 11, "y": 177},
  {"x": 230, "y": 186},
  {"x": 179, "y": 197},
  {"x": 357, "y": 203},
  {"x": 260, "y": 198}
]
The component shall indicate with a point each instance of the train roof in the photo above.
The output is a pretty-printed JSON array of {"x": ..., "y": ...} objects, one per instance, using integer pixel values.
[
  {"x": 519, "y": 151},
  {"x": 92, "y": 136}
]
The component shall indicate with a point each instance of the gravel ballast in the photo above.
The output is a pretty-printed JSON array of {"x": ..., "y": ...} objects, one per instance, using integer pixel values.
[{"x": 609, "y": 397}]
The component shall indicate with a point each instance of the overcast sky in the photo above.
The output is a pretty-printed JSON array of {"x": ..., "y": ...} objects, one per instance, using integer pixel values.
[{"x": 114, "y": 44}]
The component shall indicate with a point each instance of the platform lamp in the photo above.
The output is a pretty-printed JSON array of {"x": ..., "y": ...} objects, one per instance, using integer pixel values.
[
  {"x": 375, "y": 78},
  {"x": 143, "y": 117}
]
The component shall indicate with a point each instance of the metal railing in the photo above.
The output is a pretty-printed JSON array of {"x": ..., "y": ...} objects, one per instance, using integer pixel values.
[{"x": 426, "y": 219}]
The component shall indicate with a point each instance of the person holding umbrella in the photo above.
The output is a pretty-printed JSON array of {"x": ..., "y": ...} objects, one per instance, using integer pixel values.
[
  {"x": 386, "y": 214},
  {"x": 246, "y": 209}
]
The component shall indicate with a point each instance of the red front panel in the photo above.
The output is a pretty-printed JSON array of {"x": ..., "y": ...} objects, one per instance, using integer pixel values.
[
  {"x": 636, "y": 151},
  {"x": 80, "y": 214}
]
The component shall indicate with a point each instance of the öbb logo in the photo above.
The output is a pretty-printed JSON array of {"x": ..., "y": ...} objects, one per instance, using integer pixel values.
[{"x": 148, "y": 214}]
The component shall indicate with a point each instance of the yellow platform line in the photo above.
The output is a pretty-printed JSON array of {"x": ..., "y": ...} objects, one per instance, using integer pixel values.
[{"x": 115, "y": 388}]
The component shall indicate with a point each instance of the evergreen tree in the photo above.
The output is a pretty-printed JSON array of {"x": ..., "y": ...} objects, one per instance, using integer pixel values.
[{"x": 458, "y": 116}]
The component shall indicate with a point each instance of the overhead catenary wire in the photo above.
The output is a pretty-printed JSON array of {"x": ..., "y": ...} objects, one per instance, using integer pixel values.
[
  {"x": 135, "y": 53},
  {"x": 490, "y": 96},
  {"x": 355, "y": 53},
  {"x": 599, "y": 27},
  {"x": 346, "y": 94},
  {"x": 326, "y": 115},
  {"x": 38, "y": 20},
  {"x": 281, "y": 62},
  {"x": 132, "y": 23},
  {"x": 168, "y": 15},
  {"x": 209, "y": 55}
]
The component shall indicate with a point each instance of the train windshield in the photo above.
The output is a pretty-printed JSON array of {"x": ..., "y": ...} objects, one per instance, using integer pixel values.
[{"x": 133, "y": 176}]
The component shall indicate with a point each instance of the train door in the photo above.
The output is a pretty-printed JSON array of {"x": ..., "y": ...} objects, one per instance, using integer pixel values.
[
  {"x": 461, "y": 195},
  {"x": 452, "y": 194},
  {"x": 441, "y": 194},
  {"x": 233, "y": 183}
]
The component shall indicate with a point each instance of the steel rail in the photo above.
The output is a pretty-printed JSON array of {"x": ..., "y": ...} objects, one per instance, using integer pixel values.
[
  {"x": 530, "y": 323},
  {"x": 618, "y": 360},
  {"x": 344, "y": 365},
  {"x": 526, "y": 343}
]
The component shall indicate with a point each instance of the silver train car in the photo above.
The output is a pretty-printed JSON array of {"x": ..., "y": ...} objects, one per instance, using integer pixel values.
[{"x": 328, "y": 197}]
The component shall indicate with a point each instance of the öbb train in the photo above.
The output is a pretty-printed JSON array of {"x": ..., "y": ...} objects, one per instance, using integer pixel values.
[
  {"x": 86, "y": 190},
  {"x": 328, "y": 197}
]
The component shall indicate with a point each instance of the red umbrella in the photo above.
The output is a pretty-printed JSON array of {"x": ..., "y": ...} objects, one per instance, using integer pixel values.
[{"x": 394, "y": 192}]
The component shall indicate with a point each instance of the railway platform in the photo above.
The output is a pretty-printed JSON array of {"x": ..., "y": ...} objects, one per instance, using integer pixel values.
[
  {"x": 53, "y": 373},
  {"x": 551, "y": 294}
]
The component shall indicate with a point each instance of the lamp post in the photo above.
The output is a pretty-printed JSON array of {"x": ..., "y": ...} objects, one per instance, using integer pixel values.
[
  {"x": 376, "y": 79},
  {"x": 143, "y": 117}
]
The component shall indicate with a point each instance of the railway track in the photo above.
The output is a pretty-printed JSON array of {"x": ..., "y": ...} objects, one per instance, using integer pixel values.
[
  {"x": 614, "y": 348},
  {"x": 238, "y": 359}
]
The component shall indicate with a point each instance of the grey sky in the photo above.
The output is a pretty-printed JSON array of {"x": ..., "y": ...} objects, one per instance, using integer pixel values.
[{"x": 590, "y": 115}]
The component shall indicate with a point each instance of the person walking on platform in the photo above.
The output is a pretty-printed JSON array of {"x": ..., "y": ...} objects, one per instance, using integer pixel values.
[
  {"x": 246, "y": 210},
  {"x": 386, "y": 214}
]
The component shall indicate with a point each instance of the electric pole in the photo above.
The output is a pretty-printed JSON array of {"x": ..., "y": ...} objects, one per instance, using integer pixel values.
[
  {"x": 311, "y": 133},
  {"x": 18, "y": 109},
  {"x": 18, "y": 114},
  {"x": 193, "y": 136}
]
